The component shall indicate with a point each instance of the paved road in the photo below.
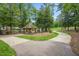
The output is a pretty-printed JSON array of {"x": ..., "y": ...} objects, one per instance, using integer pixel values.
[
  {"x": 62, "y": 37},
  {"x": 12, "y": 40},
  {"x": 58, "y": 46}
]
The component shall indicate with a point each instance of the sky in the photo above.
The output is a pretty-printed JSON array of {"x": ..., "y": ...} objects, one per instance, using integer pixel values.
[{"x": 56, "y": 13}]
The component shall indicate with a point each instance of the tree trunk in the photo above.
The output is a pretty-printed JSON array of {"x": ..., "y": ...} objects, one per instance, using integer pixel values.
[
  {"x": 42, "y": 29},
  {"x": 75, "y": 28},
  {"x": 65, "y": 28},
  {"x": 11, "y": 29},
  {"x": 46, "y": 30},
  {"x": 0, "y": 31},
  {"x": 68, "y": 28}
]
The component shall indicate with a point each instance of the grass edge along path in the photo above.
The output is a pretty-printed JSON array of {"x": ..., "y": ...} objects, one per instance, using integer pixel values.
[
  {"x": 39, "y": 38},
  {"x": 6, "y": 50}
]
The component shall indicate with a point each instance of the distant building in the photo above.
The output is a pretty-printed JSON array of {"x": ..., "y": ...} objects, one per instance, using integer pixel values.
[{"x": 30, "y": 28}]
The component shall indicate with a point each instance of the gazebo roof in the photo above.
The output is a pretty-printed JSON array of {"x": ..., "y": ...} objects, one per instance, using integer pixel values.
[{"x": 30, "y": 25}]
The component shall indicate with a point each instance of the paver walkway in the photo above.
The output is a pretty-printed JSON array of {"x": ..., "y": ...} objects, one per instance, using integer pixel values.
[{"x": 58, "y": 46}]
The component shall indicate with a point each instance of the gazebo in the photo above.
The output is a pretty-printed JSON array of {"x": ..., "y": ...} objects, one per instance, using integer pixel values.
[{"x": 30, "y": 28}]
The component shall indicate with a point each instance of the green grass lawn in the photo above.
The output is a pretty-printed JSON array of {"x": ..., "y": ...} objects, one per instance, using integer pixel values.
[
  {"x": 6, "y": 50},
  {"x": 56, "y": 29},
  {"x": 39, "y": 38}
]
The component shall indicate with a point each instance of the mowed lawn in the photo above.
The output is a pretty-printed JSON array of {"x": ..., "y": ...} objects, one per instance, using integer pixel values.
[
  {"x": 39, "y": 38},
  {"x": 59, "y": 29},
  {"x": 6, "y": 50}
]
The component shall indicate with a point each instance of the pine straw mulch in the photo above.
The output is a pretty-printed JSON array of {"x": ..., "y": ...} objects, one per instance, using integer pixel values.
[
  {"x": 74, "y": 41},
  {"x": 39, "y": 34}
]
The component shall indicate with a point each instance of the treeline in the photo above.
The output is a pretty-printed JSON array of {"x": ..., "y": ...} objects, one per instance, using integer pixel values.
[
  {"x": 19, "y": 15},
  {"x": 70, "y": 15},
  {"x": 45, "y": 17},
  {"x": 14, "y": 15}
]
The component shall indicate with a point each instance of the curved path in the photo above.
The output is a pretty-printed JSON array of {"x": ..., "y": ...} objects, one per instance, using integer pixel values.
[
  {"x": 12, "y": 40},
  {"x": 58, "y": 46}
]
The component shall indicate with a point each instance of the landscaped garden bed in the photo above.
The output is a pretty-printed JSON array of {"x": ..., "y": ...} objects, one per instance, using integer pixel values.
[
  {"x": 6, "y": 50},
  {"x": 39, "y": 37},
  {"x": 74, "y": 42}
]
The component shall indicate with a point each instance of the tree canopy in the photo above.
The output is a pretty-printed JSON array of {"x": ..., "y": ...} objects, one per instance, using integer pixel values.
[
  {"x": 70, "y": 15},
  {"x": 19, "y": 15}
]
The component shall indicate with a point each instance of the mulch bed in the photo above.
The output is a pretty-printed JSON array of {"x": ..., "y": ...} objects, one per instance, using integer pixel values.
[
  {"x": 75, "y": 42},
  {"x": 39, "y": 34}
]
